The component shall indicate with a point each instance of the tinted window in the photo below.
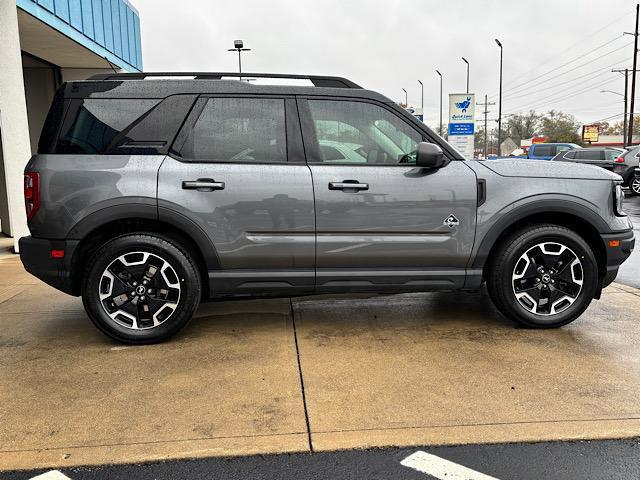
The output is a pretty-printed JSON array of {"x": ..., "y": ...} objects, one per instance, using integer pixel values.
[
  {"x": 47, "y": 141},
  {"x": 239, "y": 130},
  {"x": 91, "y": 126},
  {"x": 571, "y": 154},
  {"x": 543, "y": 150},
  {"x": 562, "y": 148},
  {"x": 362, "y": 132},
  {"x": 589, "y": 154},
  {"x": 612, "y": 154}
]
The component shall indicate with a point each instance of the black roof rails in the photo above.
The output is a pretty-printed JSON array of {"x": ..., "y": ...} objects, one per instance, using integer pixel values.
[{"x": 317, "y": 80}]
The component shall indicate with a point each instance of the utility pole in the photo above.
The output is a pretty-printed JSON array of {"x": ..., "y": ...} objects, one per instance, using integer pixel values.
[
  {"x": 633, "y": 76},
  {"x": 485, "y": 112},
  {"x": 406, "y": 98},
  {"x": 625, "y": 72},
  {"x": 438, "y": 72}
]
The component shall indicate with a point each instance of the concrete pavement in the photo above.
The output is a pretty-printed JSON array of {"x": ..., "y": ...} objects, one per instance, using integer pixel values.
[{"x": 247, "y": 377}]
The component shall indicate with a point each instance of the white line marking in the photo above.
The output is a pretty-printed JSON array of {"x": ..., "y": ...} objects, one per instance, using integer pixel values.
[
  {"x": 440, "y": 468},
  {"x": 52, "y": 475}
]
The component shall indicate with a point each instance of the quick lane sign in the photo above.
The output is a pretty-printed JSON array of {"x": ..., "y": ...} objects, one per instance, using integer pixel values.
[{"x": 462, "y": 122}]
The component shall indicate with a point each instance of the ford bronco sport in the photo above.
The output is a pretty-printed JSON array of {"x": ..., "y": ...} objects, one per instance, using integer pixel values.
[{"x": 149, "y": 194}]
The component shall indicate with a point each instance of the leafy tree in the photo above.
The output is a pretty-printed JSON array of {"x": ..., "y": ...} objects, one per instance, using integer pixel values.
[
  {"x": 560, "y": 127},
  {"x": 522, "y": 125}
]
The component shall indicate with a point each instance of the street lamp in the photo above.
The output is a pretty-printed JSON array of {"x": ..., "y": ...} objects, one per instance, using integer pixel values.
[
  {"x": 406, "y": 101},
  {"x": 438, "y": 72},
  {"x": 238, "y": 46},
  {"x": 500, "y": 98},
  {"x": 421, "y": 99},
  {"x": 467, "y": 62},
  {"x": 624, "y": 130}
]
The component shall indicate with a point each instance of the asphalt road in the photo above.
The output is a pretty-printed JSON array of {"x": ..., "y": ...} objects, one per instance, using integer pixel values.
[
  {"x": 629, "y": 273},
  {"x": 609, "y": 459}
]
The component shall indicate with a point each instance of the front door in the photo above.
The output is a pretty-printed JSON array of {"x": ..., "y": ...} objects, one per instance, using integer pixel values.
[
  {"x": 240, "y": 175},
  {"x": 382, "y": 222}
]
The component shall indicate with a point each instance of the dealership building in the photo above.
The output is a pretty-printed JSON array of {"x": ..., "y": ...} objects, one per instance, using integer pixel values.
[{"x": 44, "y": 43}]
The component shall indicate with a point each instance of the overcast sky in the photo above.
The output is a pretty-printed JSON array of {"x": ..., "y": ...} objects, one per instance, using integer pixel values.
[{"x": 387, "y": 45}]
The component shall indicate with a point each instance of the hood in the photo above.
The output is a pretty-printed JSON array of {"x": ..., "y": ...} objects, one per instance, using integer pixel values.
[{"x": 548, "y": 169}]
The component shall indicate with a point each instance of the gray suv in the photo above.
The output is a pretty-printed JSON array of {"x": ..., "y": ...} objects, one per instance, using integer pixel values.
[{"x": 149, "y": 194}]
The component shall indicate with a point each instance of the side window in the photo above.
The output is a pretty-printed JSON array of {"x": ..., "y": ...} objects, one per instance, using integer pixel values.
[
  {"x": 239, "y": 130},
  {"x": 91, "y": 125},
  {"x": 359, "y": 132},
  {"x": 612, "y": 154},
  {"x": 591, "y": 154},
  {"x": 543, "y": 150},
  {"x": 561, "y": 148},
  {"x": 570, "y": 155}
]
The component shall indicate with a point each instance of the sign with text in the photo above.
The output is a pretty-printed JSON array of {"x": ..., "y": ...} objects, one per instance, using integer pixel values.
[
  {"x": 462, "y": 122},
  {"x": 590, "y": 134}
]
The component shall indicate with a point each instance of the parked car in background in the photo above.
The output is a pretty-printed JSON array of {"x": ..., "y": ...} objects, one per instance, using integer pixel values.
[
  {"x": 620, "y": 161},
  {"x": 546, "y": 151}
]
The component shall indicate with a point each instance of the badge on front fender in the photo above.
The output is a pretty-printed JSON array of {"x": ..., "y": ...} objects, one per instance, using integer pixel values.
[{"x": 451, "y": 221}]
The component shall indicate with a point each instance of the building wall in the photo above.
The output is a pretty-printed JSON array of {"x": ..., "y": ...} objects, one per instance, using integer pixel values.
[{"x": 110, "y": 28}]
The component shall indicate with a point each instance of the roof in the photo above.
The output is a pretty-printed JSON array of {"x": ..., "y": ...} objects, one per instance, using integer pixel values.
[{"x": 160, "y": 85}]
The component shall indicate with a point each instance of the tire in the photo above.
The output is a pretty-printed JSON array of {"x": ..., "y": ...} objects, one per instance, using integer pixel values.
[
  {"x": 634, "y": 186},
  {"x": 141, "y": 288},
  {"x": 547, "y": 298}
]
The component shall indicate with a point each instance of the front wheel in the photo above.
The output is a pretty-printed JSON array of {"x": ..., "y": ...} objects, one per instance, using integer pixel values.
[
  {"x": 543, "y": 276},
  {"x": 141, "y": 289}
]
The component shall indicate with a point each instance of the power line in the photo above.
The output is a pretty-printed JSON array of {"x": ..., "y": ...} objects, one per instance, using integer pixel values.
[
  {"x": 597, "y": 71},
  {"x": 586, "y": 37},
  {"x": 589, "y": 62},
  {"x": 563, "y": 97}
]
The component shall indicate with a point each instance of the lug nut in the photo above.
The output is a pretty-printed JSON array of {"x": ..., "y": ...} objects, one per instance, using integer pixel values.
[
  {"x": 142, "y": 298},
  {"x": 537, "y": 279},
  {"x": 133, "y": 294},
  {"x": 135, "y": 283},
  {"x": 148, "y": 290}
]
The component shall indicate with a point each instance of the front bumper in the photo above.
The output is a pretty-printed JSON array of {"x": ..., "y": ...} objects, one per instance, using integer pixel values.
[
  {"x": 616, "y": 255},
  {"x": 35, "y": 254}
]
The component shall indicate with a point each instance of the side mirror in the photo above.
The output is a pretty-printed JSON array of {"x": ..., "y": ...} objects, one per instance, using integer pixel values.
[{"x": 429, "y": 155}]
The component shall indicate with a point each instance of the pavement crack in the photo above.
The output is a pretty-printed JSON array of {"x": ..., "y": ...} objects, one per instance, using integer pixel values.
[{"x": 304, "y": 396}]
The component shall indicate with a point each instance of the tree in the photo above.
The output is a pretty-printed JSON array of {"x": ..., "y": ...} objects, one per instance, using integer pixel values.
[
  {"x": 560, "y": 127},
  {"x": 522, "y": 126}
]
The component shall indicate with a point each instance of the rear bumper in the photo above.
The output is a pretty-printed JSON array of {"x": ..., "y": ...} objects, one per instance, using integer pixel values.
[
  {"x": 617, "y": 255},
  {"x": 35, "y": 254}
]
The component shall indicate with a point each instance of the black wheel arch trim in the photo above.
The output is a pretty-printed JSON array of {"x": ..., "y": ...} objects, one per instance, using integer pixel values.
[
  {"x": 144, "y": 211},
  {"x": 539, "y": 206}
]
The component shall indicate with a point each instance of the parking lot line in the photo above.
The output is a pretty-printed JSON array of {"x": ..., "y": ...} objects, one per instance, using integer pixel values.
[
  {"x": 440, "y": 468},
  {"x": 52, "y": 475}
]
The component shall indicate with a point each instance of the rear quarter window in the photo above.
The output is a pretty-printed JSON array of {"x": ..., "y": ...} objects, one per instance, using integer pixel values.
[{"x": 92, "y": 125}]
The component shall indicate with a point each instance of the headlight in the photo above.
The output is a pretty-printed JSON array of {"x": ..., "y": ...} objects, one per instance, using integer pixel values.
[{"x": 618, "y": 200}]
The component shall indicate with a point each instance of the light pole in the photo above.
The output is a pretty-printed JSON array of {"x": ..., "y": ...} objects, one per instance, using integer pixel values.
[
  {"x": 438, "y": 72},
  {"x": 238, "y": 46},
  {"x": 406, "y": 101},
  {"x": 624, "y": 129},
  {"x": 467, "y": 62},
  {"x": 421, "y": 99},
  {"x": 500, "y": 99}
]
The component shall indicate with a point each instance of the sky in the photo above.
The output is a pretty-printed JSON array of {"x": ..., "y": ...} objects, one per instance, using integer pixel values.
[{"x": 557, "y": 54}]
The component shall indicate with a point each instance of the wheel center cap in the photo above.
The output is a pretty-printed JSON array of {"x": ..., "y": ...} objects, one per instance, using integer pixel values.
[
  {"x": 140, "y": 289},
  {"x": 546, "y": 278}
]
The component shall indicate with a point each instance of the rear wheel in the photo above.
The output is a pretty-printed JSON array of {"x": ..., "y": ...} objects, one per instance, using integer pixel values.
[
  {"x": 141, "y": 289},
  {"x": 634, "y": 186},
  {"x": 543, "y": 276}
]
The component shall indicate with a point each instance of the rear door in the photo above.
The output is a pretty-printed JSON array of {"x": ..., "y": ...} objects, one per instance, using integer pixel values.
[
  {"x": 239, "y": 173},
  {"x": 381, "y": 221}
]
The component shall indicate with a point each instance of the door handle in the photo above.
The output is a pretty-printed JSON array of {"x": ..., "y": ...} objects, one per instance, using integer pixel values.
[
  {"x": 348, "y": 185},
  {"x": 202, "y": 185}
]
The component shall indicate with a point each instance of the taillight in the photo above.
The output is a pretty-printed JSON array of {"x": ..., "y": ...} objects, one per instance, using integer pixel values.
[
  {"x": 31, "y": 193},
  {"x": 618, "y": 160}
]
